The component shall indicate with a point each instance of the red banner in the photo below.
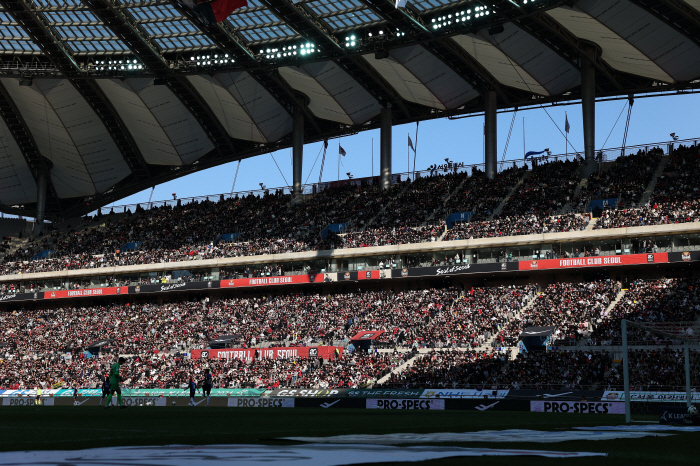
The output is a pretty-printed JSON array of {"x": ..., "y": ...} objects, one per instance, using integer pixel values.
[
  {"x": 248, "y": 354},
  {"x": 115, "y": 290},
  {"x": 594, "y": 261},
  {"x": 266, "y": 281},
  {"x": 371, "y": 275}
]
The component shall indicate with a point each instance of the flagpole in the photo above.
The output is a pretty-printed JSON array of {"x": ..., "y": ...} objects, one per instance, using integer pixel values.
[
  {"x": 566, "y": 132},
  {"x": 338, "y": 159},
  {"x": 523, "y": 137},
  {"x": 373, "y": 159},
  {"x": 408, "y": 160}
]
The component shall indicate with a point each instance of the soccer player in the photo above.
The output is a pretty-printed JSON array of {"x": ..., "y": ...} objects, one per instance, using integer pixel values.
[
  {"x": 114, "y": 379},
  {"x": 206, "y": 385},
  {"x": 38, "y": 395},
  {"x": 105, "y": 389},
  {"x": 75, "y": 394},
  {"x": 192, "y": 385}
]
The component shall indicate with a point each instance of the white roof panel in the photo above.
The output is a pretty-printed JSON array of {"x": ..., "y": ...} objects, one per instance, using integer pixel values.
[
  {"x": 355, "y": 100},
  {"x": 321, "y": 103},
  {"x": 543, "y": 64},
  {"x": 617, "y": 52},
  {"x": 506, "y": 71},
  {"x": 675, "y": 53},
  {"x": 182, "y": 128},
  {"x": 445, "y": 84},
  {"x": 143, "y": 126},
  {"x": 95, "y": 145},
  {"x": 272, "y": 119},
  {"x": 232, "y": 116},
  {"x": 404, "y": 82},
  {"x": 69, "y": 175},
  {"x": 17, "y": 185}
]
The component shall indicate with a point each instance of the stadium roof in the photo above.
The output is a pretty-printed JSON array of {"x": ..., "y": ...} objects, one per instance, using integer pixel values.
[{"x": 114, "y": 96}]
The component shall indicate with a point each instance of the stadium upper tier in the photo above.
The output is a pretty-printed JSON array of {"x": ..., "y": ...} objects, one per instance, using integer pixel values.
[
  {"x": 100, "y": 99},
  {"x": 523, "y": 211}
]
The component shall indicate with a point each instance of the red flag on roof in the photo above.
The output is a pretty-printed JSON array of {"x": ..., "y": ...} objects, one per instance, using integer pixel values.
[{"x": 213, "y": 11}]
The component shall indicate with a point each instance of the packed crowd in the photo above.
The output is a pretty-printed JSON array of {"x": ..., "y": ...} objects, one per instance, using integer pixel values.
[
  {"x": 481, "y": 195},
  {"x": 160, "y": 371},
  {"x": 516, "y": 226},
  {"x": 489, "y": 371},
  {"x": 662, "y": 300},
  {"x": 625, "y": 179},
  {"x": 655, "y": 370},
  {"x": 572, "y": 308},
  {"x": 548, "y": 189},
  {"x": 675, "y": 198},
  {"x": 425, "y": 318}
]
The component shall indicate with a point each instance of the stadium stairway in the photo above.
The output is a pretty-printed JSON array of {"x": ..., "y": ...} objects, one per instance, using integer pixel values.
[
  {"x": 445, "y": 198},
  {"x": 611, "y": 306},
  {"x": 654, "y": 179},
  {"x": 591, "y": 224},
  {"x": 500, "y": 207}
]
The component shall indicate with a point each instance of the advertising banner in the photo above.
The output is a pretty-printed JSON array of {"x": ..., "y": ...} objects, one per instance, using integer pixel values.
[
  {"x": 166, "y": 287},
  {"x": 578, "y": 407},
  {"x": 446, "y": 393},
  {"x": 594, "y": 261},
  {"x": 19, "y": 296},
  {"x": 267, "y": 281},
  {"x": 110, "y": 291},
  {"x": 657, "y": 397},
  {"x": 308, "y": 392},
  {"x": 245, "y": 402},
  {"x": 385, "y": 393},
  {"x": 575, "y": 395},
  {"x": 674, "y": 415},
  {"x": 26, "y": 401},
  {"x": 373, "y": 403},
  {"x": 685, "y": 256},
  {"x": 248, "y": 354},
  {"x": 456, "y": 269}
]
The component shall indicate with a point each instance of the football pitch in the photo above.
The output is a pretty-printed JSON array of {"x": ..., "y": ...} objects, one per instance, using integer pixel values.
[{"x": 72, "y": 428}]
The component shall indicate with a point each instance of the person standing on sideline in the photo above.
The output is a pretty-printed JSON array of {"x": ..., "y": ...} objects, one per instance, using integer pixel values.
[
  {"x": 206, "y": 385},
  {"x": 114, "y": 379},
  {"x": 192, "y": 385},
  {"x": 105, "y": 389}
]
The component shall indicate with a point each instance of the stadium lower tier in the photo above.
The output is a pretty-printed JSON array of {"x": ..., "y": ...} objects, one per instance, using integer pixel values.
[
  {"x": 651, "y": 371},
  {"x": 59, "y": 343}
]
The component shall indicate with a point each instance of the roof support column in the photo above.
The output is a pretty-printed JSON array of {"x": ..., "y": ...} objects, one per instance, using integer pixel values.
[
  {"x": 588, "y": 108},
  {"x": 490, "y": 159},
  {"x": 297, "y": 152},
  {"x": 385, "y": 147},
  {"x": 40, "y": 202}
]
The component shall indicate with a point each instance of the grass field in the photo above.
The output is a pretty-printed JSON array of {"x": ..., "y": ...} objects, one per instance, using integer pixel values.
[{"x": 69, "y": 428}]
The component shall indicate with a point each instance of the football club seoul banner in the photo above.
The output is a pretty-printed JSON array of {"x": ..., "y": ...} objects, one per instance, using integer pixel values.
[
  {"x": 110, "y": 291},
  {"x": 594, "y": 261},
  {"x": 248, "y": 354},
  {"x": 280, "y": 280}
]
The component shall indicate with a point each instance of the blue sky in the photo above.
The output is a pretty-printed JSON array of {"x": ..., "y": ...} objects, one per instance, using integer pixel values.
[{"x": 653, "y": 119}]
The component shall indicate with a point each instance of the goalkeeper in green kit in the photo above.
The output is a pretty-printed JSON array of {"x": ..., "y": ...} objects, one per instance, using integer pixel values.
[{"x": 114, "y": 379}]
